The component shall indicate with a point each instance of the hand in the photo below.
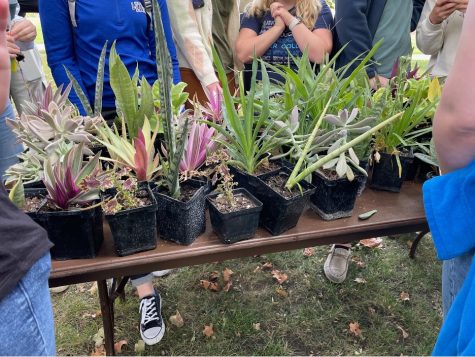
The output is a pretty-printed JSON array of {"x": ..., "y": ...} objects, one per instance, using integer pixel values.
[
  {"x": 378, "y": 82},
  {"x": 461, "y": 5},
  {"x": 442, "y": 10},
  {"x": 23, "y": 30},
  {"x": 214, "y": 90},
  {"x": 279, "y": 23},
  {"x": 13, "y": 49},
  {"x": 277, "y": 9},
  {"x": 4, "y": 60}
]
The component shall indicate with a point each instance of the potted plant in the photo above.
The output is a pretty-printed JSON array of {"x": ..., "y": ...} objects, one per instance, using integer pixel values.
[
  {"x": 130, "y": 209},
  {"x": 177, "y": 202},
  {"x": 72, "y": 209},
  {"x": 234, "y": 212},
  {"x": 393, "y": 152}
]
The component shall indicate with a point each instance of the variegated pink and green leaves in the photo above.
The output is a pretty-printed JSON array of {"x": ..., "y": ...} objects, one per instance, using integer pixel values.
[
  {"x": 198, "y": 145},
  {"x": 65, "y": 180}
]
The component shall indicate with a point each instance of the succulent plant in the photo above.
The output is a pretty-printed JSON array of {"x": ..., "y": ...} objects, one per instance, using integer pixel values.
[
  {"x": 41, "y": 101},
  {"x": 65, "y": 180}
]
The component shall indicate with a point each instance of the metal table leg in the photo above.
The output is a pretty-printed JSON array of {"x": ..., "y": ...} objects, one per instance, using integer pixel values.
[
  {"x": 412, "y": 253},
  {"x": 107, "y": 309}
]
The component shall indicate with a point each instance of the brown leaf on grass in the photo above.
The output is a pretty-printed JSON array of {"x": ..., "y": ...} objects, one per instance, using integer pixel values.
[
  {"x": 359, "y": 263},
  {"x": 355, "y": 329},
  {"x": 177, "y": 320},
  {"x": 360, "y": 281},
  {"x": 227, "y": 273},
  {"x": 228, "y": 286},
  {"x": 404, "y": 332},
  {"x": 309, "y": 252},
  {"x": 404, "y": 296},
  {"x": 93, "y": 289},
  {"x": 372, "y": 242},
  {"x": 267, "y": 266},
  {"x": 256, "y": 326},
  {"x": 280, "y": 277},
  {"x": 409, "y": 243},
  {"x": 98, "y": 351},
  {"x": 214, "y": 276},
  {"x": 208, "y": 330},
  {"x": 118, "y": 346},
  {"x": 208, "y": 285},
  {"x": 258, "y": 268},
  {"x": 281, "y": 292}
]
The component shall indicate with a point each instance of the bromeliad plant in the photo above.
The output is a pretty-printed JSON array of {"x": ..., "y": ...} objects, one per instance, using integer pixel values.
[
  {"x": 248, "y": 132},
  {"x": 66, "y": 181},
  {"x": 138, "y": 155}
]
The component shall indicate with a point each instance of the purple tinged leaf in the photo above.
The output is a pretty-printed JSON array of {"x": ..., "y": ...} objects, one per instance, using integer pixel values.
[
  {"x": 395, "y": 69},
  {"x": 140, "y": 157}
]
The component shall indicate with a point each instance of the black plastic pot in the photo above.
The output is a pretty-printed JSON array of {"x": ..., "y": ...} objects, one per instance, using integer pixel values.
[
  {"x": 35, "y": 184},
  {"x": 75, "y": 234},
  {"x": 384, "y": 175},
  {"x": 235, "y": 226},
  {"x": 134, "y": 230},
  {"x": 334, "y": 199},
  {"x": 39, "y": 218},
  {"x": 364, "y": 164},
  {"x": 181, "y": 222}
]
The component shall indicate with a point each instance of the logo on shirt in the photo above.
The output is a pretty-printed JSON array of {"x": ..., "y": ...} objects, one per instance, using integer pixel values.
[{"x": 137, "y": 6}]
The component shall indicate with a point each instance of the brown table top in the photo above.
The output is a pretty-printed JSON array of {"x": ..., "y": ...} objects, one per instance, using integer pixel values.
[{"x": 397, "y": 213}]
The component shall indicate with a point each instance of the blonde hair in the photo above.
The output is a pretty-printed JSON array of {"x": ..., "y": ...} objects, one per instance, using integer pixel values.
[{"x": 307, "y": 10}]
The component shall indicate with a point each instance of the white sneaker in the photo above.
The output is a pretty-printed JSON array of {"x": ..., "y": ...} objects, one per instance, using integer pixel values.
[
  {"x": 160, "y": 273},
  {"x": 336, "y": 265},
  {"x": 59, "y": 289},
  {"x": 152, "y": 327}
]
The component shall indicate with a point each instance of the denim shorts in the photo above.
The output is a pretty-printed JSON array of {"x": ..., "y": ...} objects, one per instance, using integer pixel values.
[{"x": 9, "y": 145}]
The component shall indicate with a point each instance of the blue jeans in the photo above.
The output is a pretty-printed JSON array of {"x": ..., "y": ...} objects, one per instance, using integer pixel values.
[
  {"x": 27, "y": 324},
  {"x": 9, "y": 145},
  {"x": 454, "y": 272}
]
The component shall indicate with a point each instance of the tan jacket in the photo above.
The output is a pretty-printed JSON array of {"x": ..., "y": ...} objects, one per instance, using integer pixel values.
[{"x": 439, "y": 41}]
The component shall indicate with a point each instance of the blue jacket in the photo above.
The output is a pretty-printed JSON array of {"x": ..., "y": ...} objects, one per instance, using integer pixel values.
[
  {"x": 99, "y": 21},
  {"x": 356, "y": 22},
  {"x": 449, "y": 202}
]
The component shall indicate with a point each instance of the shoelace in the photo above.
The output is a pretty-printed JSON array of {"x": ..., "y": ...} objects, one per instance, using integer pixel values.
[{"x": 150, "y": 310}]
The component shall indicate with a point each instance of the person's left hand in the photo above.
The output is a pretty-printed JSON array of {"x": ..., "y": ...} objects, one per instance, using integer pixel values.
[
  {"x": 23, "y": 30},
  {"x": 13, "y": 49},
  {"x": 277, "y": 9},
  {"x": 461, "y": 5},
  {"x": 4, "y": 58}
]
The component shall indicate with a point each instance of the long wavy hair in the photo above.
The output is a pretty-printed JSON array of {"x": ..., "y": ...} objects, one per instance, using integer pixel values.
[{"x": 307, "y": 10}]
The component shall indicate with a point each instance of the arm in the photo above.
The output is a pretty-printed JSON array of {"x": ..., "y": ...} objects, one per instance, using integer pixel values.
[
  {"x": 169, "y": 38},
  {"x": 59, "y": 43},
  {"x": 188, "y": 39},
  {"x": 249, "y": 43},
  {"x": 454, "y": 122},
  {"x": 4, "y": 56},
  {"x": 352, "y": 29}
]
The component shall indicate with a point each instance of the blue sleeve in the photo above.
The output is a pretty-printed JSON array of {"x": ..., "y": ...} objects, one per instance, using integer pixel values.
[
  {"x": 351, "y": 26},
  {"x": 449, "y": 202},
  {"x": 325, "y": 18},
  {"x": 251, "y": 22},
  {"x": 169, "y": 38},
  {"x": 59, "y": 43}
]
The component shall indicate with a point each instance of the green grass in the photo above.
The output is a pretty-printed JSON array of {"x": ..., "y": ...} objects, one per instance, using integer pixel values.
[{"x": 313, "y": 319}]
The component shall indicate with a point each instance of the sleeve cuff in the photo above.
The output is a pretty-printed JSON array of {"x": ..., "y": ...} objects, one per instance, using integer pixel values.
[
  {"x": 209, "y": 78},
  {"x": 432, "y": 27}
]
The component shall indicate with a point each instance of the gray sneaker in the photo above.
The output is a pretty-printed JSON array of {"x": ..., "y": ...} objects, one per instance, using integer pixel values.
[{"x": 336, "y": 265}]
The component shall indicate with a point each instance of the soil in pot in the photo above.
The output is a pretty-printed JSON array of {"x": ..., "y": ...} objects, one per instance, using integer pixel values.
[
  {"x": 281, "y": 208},
  {"x": 76, "y": 233},
  {"x": 135, "y": 230},
  {"x": 384, "y": 175},
  {"x": 334, "y": 197},
  {"x": 182, "y": 220},
  {"x": 238, "y": 222}
]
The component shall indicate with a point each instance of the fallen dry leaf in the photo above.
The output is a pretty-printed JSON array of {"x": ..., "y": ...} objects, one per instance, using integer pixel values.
[
  {"x": 118, "y": 346},
  {"x": 309, "y": 252},
  {"x": 208, "y": 285},
  {"x": 267, "y": 266},
  {"x": 98, "y": 338},
  {"x": 208, "y": 330},
  {"x": 404, "y": 296},
  {"x": 228, "y": 286},
  {"x": 99, "y": 351},
  {"x": 409, "y": 243},
  {"x": 257, "y": 326},
  {"x": 214, "y": 276},
  {"x": 372, "y": 242},
  {"x": 359, "y": 263},
  {"x": 93, "y": 289},
  {"x": 281, "y": 292},
  {"x": 139, "y": 347},
  {"x": 360, "y": 281},
  {"x": 87, "y": 314},
  {"x": 227, "y": 273},
  {"x": 280, "y": 277},
  {"x": 177, "y": 320},
  {"x": 258, "y": 268},
  {"x": 355, "y": 329},
  {"x": 404, "y": 332}
]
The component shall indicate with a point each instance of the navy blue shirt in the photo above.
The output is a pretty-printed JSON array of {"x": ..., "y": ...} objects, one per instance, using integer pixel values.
[{"x": 278, "y": 53}]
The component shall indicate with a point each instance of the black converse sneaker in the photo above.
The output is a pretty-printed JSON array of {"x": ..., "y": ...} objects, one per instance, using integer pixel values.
[{"x": 152, "y": 326}]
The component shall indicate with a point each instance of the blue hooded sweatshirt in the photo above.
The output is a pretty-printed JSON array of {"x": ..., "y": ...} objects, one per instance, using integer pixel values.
[
  {"x": 98, "y": 21},
  {"x": 449, "y": 202}
]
